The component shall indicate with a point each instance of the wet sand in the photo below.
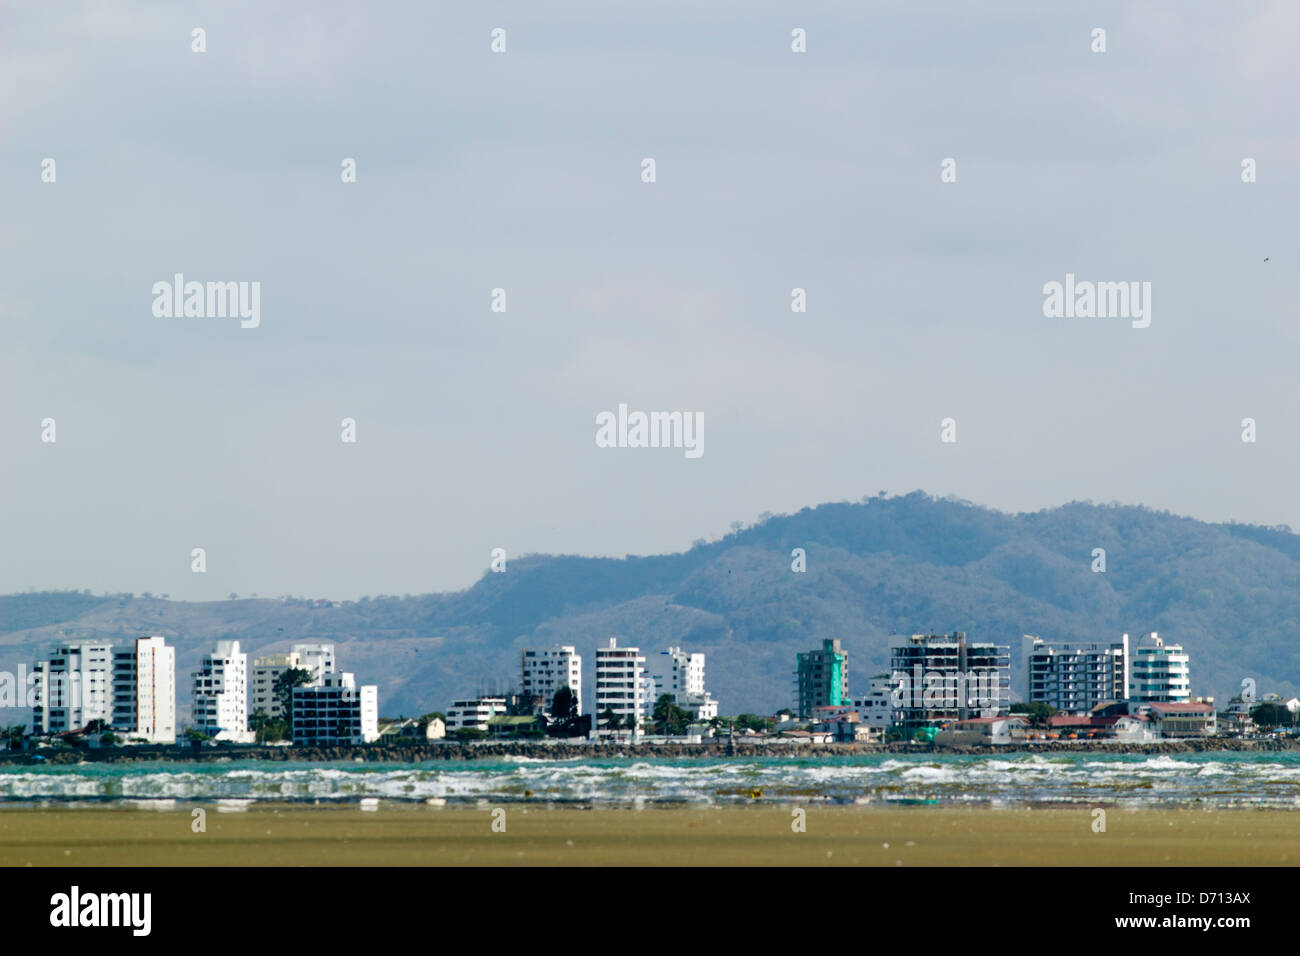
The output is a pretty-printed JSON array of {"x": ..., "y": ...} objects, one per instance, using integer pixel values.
[{"x": 421, "y": 835}]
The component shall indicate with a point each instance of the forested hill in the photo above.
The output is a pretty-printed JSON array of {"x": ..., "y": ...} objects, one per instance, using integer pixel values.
[{"x": 1230, "y": 594}]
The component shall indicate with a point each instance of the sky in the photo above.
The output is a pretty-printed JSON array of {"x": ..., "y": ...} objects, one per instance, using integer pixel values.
[{"x": 522, "y": 170}]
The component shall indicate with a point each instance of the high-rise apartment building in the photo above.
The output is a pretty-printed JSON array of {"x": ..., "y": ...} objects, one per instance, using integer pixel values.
[
  {"x": 546, "y": 670},
  {"x": 1075, "y": 677},
  {"x": 220, "y": 688},
  {"x": 940, "y": 678},
  {"x": 72, "y": 687},
  {"x": 622, "y": 686},
  {"x": 822, "y": 677},
  {"x": 144, "y": 691},
  {"x": 681, "y": 677},
  {"x": 1160, "y": 672}
]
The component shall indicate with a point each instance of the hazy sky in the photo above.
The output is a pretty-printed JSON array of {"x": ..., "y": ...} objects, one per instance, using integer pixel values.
[{"x": 522, "y": 171}]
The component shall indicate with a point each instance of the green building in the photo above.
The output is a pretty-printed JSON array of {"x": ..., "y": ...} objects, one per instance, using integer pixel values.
[{"x": 822, "y": 677}]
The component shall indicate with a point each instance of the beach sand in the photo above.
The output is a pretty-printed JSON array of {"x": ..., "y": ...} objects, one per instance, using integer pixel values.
[{"x": 419, "y": 835}]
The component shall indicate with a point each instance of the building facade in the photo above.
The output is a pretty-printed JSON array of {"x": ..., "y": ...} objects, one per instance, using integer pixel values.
[
  {"x": 72, "y": 687},
  {"x": 822, "y": 678},
  {"x": 1075, "y": 677},
  {"x": 546, "y": 670},
  {"x": 622, "y": 686},
  {"x": 875, "y": 710},
  {"x": 681, "y": 677},
  {"x": 335, "y": 712},
  {"x": 316, "y": 659},
  {"x": 265, "y": 672},
  {"x": 473, "y": 713},
  {"x": 1172, "y": 720},
  {"x": 220, "y": 689},
  {"x": 942, "y": 678},
  {"x": 144, "y": 691},
  {"x": 1160, "y": 672}
]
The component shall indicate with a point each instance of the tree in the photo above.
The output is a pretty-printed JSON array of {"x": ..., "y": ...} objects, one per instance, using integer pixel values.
[
  {"x": 283, "y": 690},
  {"x": 610, "y": 720},
  {"x": 1035, "y": 710},
  {"x": 669, "y": 718},
  {"x": 268, "y": 728},
  {"x": 1271, "y": 714},
  {"x": 565, "y": 704},
  {"x": 755, "y": 722}
]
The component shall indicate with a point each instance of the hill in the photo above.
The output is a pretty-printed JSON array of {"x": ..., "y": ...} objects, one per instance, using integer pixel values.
[{"x": 1230, "y": 594}]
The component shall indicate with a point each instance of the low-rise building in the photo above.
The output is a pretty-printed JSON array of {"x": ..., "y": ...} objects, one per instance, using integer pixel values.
[
  {"x": 523, "y": 725},
  {"x": 876, "y": 708},
  {"x": 411, "y": 731},
  {"x": 982, "y": 731},
  {"x": 1173, "y": 719},
  {"x": 473, "y": 713},
  {"x": 1116, "y": 726}
]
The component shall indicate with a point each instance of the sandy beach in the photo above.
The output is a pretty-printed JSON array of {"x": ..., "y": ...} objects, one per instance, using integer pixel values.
[{"x": 422, "y": 835}]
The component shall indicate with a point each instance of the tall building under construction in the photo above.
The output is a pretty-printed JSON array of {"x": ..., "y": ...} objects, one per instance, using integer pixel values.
[{"x": 822, "y": 677}]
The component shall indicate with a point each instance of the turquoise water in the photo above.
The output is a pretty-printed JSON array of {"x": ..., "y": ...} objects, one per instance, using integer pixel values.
[{"x": 1215, "y": 779}]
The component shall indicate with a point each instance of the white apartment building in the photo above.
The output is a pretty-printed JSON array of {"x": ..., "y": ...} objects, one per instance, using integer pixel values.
[
  {"x": 317, "y": 659},
  {"x": 1159, "y": 673},
  {"x": 876, "y": 710},
  {"x": 220, "y": 688},
  {"x": 473, "y": 713},
  {"x": 681, "y": 676},
  {"x": 622, "y": 686},
  {"x": 266, "y": 671},
  {"x": 144, "y": 691},
  {"x": 335, "y": 711},
  {"x": 546, "y": 670},
  {"x": 1076, "y": 677},
  {"x": 72, "y": 687}
]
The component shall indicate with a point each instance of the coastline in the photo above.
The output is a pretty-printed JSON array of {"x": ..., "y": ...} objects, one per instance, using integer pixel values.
[{"x": 717, "y": 748}]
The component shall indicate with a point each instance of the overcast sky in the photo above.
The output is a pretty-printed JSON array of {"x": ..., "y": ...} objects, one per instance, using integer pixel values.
[{"x": 523, "y": 171}]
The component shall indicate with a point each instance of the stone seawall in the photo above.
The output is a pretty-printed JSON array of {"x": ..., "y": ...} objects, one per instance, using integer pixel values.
[{"x": 570, "y": 751}]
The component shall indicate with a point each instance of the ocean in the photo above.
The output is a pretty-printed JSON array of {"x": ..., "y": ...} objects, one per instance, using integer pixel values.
[{"x": 1226, "y": 779}]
